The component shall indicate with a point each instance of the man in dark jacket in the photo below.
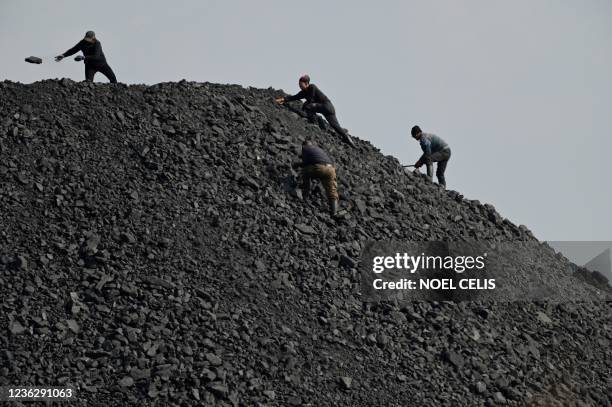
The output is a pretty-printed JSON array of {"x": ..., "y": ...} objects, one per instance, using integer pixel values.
[
  {"x": 94, "y": 58},
  {"x": 317, "y": 164},
  {"x": 434, "y": 150},
  {"x": 317, "y": 102}
]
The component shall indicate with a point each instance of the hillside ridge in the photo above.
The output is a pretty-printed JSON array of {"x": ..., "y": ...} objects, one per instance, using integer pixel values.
[{"x": 156, "y": 248}]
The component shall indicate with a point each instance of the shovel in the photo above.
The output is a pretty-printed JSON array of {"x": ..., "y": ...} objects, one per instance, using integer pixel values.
[{"x": 416, "y": 170}]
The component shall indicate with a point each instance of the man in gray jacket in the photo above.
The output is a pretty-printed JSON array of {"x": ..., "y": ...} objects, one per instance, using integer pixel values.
[{"x": 434, "y": 150}]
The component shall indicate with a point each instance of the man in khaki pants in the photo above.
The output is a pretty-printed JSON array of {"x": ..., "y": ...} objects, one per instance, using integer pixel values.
[{"x": 317, "y": 164}]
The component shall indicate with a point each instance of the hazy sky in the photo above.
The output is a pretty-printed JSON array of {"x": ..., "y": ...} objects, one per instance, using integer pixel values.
[{"x": 520, "y": 89}]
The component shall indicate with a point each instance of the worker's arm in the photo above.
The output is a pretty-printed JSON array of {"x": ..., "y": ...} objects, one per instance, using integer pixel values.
[
  {"x": 300, "y": 95},
  {"x": 72, "y": 50},
  {"x": 420, "y": 162},
  {"x": 426, "y": 147}
]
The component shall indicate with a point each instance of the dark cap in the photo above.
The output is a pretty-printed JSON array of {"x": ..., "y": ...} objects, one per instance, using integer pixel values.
[
  {"x": 305, "y": 78},
  {"x": 415, "y": 130},
  {"x": 90, "y": 34}
]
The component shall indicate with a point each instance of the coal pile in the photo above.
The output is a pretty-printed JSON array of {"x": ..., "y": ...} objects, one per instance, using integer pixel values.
[{"x": 155, "y": 250}]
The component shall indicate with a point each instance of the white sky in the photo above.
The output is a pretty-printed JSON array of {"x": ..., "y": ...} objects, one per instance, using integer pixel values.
[{"x": 520, "y": 89}]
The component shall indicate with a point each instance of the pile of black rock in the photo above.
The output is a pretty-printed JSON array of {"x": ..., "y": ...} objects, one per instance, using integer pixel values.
[{"x": 155, "y": 249}]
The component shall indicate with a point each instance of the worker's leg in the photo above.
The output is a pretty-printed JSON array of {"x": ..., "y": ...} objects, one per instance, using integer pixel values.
[
  {"x": 327, "y": 109},
  {"x": 108, "y": 72},
  {"x": 333, "y": 122},
  {"x": 313, "y": 108},
  {"x": 440, "y": 172},
  {"x": 429, "y": 165},
  {"x": 327, "y": 175},
  {"x": 307, "y": 175},
  {"x": 441, "y": 157},
  {"x": 311, "y": 111},
  {"x": 90, "y": 71}
]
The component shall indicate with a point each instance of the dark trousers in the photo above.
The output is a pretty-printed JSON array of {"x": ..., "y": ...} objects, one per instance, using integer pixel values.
[
  {"x": 441, "y": 157},
  {"x": 327, "y": 110},
  {"x": 90, "y": 71}
]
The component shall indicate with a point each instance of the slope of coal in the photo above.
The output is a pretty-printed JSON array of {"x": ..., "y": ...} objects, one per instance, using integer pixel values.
[{"x": 155, "y": 251}]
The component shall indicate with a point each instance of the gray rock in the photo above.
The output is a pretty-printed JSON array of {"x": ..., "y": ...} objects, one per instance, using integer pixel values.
[
  {"x": 346, "y": 382},
  {"x": 219, "y": 389},
  {"x": 453, "y": 358},
  {"x": 73, "y": 326},
  {"x": 127, "y": 381},
  {"x": 16, "y": 328},
  {"x": 307, "y": 230},
  {"x": 480, "y": 387},
  {"x": 499, "y": 398},
  {"x": 127, "y": 237},
  {"x": 214, "y": 359},
  {"x": 542, "y": 317},
  {"x": 270, "y": 394}
]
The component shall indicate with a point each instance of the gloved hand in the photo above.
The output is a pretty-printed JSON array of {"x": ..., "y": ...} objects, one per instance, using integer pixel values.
[
  {"x": 59, "y": 58},
  {"x": 296, "y": 164},
  {"x": 79, "y": 58}
]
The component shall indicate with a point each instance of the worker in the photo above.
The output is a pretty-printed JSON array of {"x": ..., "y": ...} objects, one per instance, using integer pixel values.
[
  {"x": 317, "y": 102},
  {"x": 434, "y": 150},
  {"x": 316, "y": 164},
  {"x": 94, "y": 58}
]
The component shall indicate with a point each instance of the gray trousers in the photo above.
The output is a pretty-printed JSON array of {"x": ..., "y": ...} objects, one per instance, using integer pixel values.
[{"x": 440, "y": 157}]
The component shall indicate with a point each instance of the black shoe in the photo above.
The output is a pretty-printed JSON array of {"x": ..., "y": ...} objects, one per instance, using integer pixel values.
[
  {"x": 333, "y": 207},
  {"x": 348, "y": 140}
]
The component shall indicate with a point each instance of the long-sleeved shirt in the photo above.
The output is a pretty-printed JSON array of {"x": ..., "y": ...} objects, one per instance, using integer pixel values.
[
  {"x": 430, "y": 143},
  {"x": 92, "y": 52},
  {"x": 312, "y": 94},
  {"x": 312, "y": 155}
]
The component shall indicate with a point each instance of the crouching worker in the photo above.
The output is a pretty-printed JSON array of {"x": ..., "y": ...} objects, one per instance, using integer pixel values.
[
  {"x": 317, "y": 102},
  {"x": 317, "y": 164},
  {"x": 434, "y": 150}
]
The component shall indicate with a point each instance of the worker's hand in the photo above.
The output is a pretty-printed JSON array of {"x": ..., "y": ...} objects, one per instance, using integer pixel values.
[
  {"x": 280, "y": 101},
  {"x": 59, "y": 58},
  {"x": 296, "y": 164},
  {"x": 79, "y": 58}
]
